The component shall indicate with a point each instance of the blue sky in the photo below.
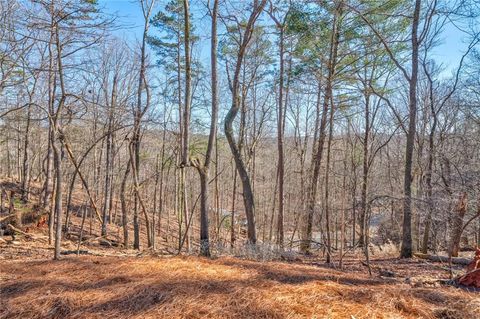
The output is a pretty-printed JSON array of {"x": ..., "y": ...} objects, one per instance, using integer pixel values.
[{"x": 129, "y": 16}]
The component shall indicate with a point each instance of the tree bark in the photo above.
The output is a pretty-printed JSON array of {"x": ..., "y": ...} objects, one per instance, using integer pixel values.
[
  {"x": 204, "y": 170},
  {"x": 124, "y": 205},
  {"x": 281, "y": 160},
  {"x": 457, "y": 227},
  {"x": 321, "y": 134},
  {"x": 58, "y": 199},
  {"x": 406, "y": 248},
  {"x": 327, "y": 178},
  {"x": 25, "y": 167},
  {"x": 248, "y": 196}
]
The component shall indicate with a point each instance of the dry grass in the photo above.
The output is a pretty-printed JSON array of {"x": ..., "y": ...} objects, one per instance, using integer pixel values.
[{"x": 191, "y": 287}]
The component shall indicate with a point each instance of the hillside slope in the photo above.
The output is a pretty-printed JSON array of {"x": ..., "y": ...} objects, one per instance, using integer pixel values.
[{"x": 192, "y": 287}]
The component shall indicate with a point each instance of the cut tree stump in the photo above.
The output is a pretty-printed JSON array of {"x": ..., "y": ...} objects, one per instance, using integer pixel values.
[{"x": 472, "y": 277}]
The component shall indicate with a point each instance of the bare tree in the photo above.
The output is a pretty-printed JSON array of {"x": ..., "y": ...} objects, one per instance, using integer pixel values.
[{"x": 248, "y": 197}]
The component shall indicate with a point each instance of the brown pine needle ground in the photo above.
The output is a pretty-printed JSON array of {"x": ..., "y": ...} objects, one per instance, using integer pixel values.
[{"x": 191, "y": 287}]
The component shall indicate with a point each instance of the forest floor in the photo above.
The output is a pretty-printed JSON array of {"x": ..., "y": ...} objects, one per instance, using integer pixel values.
[
  {"x": 111, "y": 282},
  {"x": 121, "y": 284}
]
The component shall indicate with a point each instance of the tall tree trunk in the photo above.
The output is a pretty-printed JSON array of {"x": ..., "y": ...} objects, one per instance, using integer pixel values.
[
  {"x": 7, "y": 147},
  {"x": 136, "y": 168},
  {"x": 188, "y": 81},
  {"x": 58, "y": 137},
  {"x": 248, "y": 197},
  {"x": 204, "y": 171},
  {"x": 428, "y": 174},
  {"x": 406, "y": 249},
  {"x": 48, "y": 173},
  {"x": 217, "y": 193},
  {"x": 161, "y": 199},
  {"x": 281, "y": 164},
  {"x": 58, "y": 199},
  {"x": 25, "y": 168},
  {"x": 327, "y": 178},
  {"x": 343, "y": 210},
  {"x": 365, "y": 166},
  {"x": 51, "y": 100},
  {"x": 155, "y": 201},
  {"x": 139, "y": 112},
  {"x": 234, "y": 197},
  {"x": 123, "y": 204},
  {"x": 318, "y": 148},
  {"x": 186, "y": 117},
  {"x": 48, "y": 188},
  {"x": 109, "y": 160}
]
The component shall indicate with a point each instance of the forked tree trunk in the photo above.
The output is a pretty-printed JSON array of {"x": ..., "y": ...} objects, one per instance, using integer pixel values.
[{"x": 248, "y": 197}]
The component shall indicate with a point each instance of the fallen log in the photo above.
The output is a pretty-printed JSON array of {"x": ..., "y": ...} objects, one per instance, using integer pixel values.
[
  {"x": 16, "y": 230},
  {"x": 7, "y": 217},
  {"x": 104, "y": 242},
  {"x": 444, "y": 259},
  {"x": 74, "y": 252}
]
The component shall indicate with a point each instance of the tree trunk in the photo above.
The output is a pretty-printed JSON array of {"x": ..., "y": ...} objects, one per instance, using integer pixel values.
[
  {"x": 47, "y": 190},
  {"x": 281, "y": 164},
  {"x": 327, "y": 178},
  {"x": 318, "y": 148},
  {"x": 124, "y": 205},
  {"x": 140, "y": 201},
  {"x": 109, "y": 161},
  {"x": 407, "y": 249},
  {"x": 25, "y": 169},
  {"x": 204, "y": 171},
  {"x": 248, "y": 196},
  {"x": 365, "y": 166},
  {"x": 428, "y": 176},
  {"x": 138, "y": 114},
  {"x": 457, "y": 227},
  {"x": 58, "y": 198},
  {"x": 234, "y": 197}
]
